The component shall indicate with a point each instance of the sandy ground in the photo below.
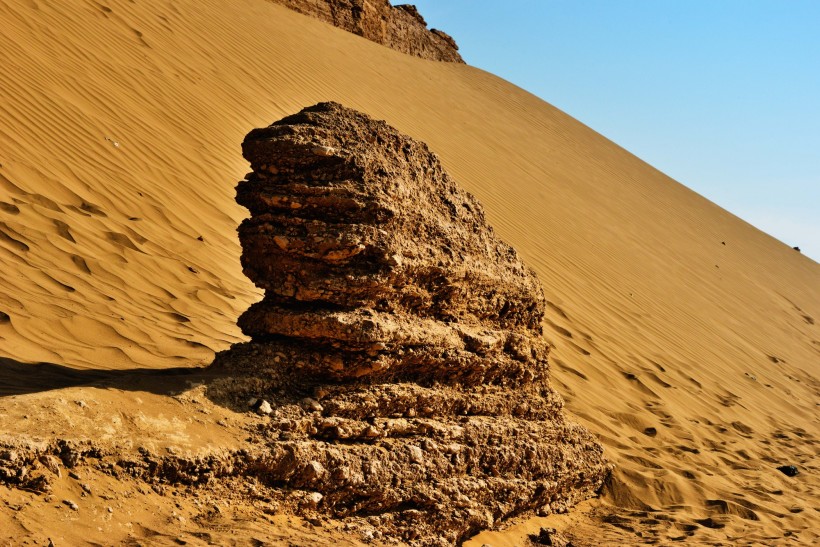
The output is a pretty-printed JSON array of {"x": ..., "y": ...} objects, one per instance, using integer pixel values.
[{"x": 686, "y": 339}]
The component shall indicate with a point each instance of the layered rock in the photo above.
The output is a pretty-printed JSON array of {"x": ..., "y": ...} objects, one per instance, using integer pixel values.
[
  {"x": 399, "y": 340},
  {"x": 399, "y": 27}
]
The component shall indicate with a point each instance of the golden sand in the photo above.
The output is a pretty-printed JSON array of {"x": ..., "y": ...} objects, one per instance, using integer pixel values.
[{"x": 686, "y": 339}]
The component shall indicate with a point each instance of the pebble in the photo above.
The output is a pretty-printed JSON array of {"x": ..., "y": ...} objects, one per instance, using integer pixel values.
[
  {"x": 323, "y": 150},
  {"x": 264, "y": 408},
  {"x": 314, "y": 498},
  {"x": 312, "y": 405},
  {"x": 72, "y": 505},
  {"x": 261, "y": 406},
  {"x": 788, "y": 470}
]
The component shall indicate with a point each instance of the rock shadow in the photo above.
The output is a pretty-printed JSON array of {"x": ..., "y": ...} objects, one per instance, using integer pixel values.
[{"x": 20, "y": 378}]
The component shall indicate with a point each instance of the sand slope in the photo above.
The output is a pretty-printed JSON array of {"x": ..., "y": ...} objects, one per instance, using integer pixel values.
[{"x": 685, "y": 338}]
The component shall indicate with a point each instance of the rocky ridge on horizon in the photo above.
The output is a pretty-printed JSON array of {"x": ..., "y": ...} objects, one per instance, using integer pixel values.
[
  {"x": 398, "y": 27},
  {"x": 399, "y": 341}
]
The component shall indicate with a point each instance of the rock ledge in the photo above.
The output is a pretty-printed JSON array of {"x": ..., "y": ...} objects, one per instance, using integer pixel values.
[{"x": 398, "y": 27}]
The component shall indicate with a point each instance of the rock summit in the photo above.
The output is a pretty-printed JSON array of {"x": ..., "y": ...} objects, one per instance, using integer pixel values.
[{"x": 398, "y": 27}]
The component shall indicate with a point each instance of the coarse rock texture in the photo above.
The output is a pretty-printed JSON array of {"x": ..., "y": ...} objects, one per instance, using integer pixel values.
[
  {"x": 399, "y": 27},
  {"x": 399, "y": 341},
  {"x": 364, "y": 244}
]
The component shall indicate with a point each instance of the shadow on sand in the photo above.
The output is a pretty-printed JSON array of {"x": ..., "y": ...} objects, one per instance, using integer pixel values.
[{"x": 18, "y": 378}]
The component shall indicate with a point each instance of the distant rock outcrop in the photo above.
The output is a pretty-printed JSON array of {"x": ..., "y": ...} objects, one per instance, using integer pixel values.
[
  {"x": 399, "y": 27},
  {"x": 399, "y": 340}
]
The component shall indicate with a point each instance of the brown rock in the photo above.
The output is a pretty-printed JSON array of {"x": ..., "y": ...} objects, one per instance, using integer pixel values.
[
  {"x": 399, "y": 27},
  {"x": 413, "y": 332}
]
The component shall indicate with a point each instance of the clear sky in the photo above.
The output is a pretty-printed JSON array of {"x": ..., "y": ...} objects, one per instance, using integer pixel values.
[{"x": 721, "y": 95}]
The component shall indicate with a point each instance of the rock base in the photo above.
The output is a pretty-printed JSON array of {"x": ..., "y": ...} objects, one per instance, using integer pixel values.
[{"x": 431, "y": 465}]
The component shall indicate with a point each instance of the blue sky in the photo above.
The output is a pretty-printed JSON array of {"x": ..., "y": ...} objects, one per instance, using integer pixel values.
[{"x": 721, "y": 95}]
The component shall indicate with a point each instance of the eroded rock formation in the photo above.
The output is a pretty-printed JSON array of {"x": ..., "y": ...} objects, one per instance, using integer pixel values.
[
  {"x": 399, "y": 340},
  {"x": 399, "y": 27}
]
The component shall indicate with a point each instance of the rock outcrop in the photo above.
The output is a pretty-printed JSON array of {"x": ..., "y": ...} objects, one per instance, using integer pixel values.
[
  {"x": 399, "y": 27},
  {"x": 399, "y": 340}
]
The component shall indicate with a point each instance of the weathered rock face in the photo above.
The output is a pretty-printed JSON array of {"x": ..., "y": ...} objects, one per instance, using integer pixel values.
[
  {"x": 399, "y": 27},
  {"x": 399, "y": 341},
  {"x": 363, "y": 244}
]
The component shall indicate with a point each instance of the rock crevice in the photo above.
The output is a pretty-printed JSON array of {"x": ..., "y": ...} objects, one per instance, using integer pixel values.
[{"x": 411, "y": 330}]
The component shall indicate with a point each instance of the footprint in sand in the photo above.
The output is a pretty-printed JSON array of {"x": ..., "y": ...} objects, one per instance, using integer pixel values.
[
  {"x": 579, "y": 349},
  {"x": 710, "y": 522},
  {"x": 9, "y": 208},
  {"x": 557, "y": 310},
  {"x": 743, "y": 428},
  {"x": 121, "y": 240},
  {"x": 13, "y": 242},
  {"x": 93, "y": 209},
  {"x": 657, "y": 365},
  {"x": 63, "y": 286},
  {"x": 729, "y": 400},
  {"x": 807, "y": 318},
  {"x": 178, "y": 317},
  {"x": 655, "y": 378},
  {"x": 45, "y": 202},
  {"x": 725, "y": 507},
  {"x": 81, "y": 264},
  {"x": 633, "y": 378},
  {"x": 559, "y": 329},
  {"x": 563, "y": 366}
]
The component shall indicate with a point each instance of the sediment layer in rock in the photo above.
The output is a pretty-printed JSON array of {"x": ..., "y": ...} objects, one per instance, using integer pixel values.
[
  {"x": 364, "y": 244},
  {"x": 399, "y": 27},
  {"x": 399, "y": 341}
]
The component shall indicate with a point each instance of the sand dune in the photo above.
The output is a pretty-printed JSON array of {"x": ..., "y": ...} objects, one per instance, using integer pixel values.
[{"x": 686, "y": 339}]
